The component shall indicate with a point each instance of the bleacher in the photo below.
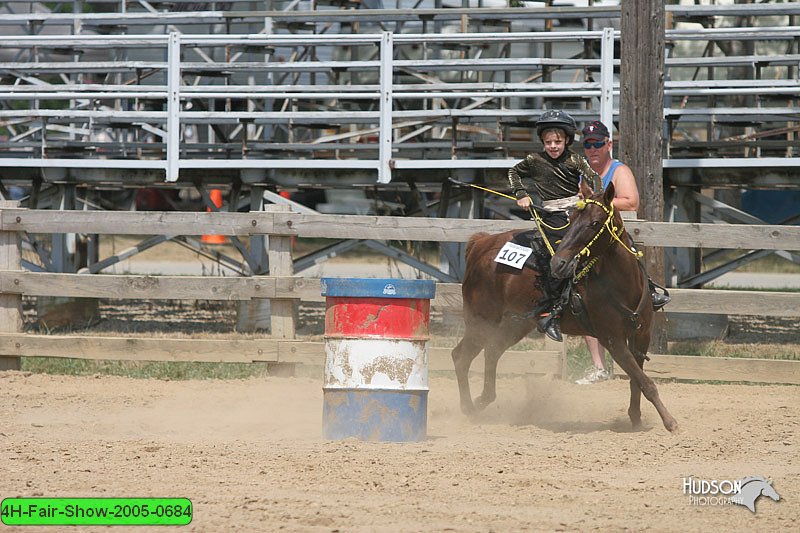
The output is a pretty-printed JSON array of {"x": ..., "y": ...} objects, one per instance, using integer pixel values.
[{"x": 164, "y": 91}]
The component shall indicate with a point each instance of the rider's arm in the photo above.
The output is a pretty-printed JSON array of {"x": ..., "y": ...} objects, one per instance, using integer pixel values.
[{"x": 515, "y": 173}]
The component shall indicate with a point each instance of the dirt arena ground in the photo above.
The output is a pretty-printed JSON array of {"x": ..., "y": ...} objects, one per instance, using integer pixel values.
[{"x": 547, "y": 456}]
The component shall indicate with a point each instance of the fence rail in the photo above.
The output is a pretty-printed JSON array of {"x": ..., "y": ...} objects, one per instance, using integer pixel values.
[
  {"x": 282, "y": 288},
  {"x": 448, "y": 295},
  {"x": 288, "y": 224}
]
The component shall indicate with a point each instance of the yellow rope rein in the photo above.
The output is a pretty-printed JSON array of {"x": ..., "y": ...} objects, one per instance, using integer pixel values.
[
  {"x": 539, "y": 224},
  {"x": 615, "y": 231},
  {"x": 534, "y": 215}
]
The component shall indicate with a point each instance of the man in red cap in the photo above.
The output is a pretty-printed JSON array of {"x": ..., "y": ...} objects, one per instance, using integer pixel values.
[{"x": 597, "y": 145}]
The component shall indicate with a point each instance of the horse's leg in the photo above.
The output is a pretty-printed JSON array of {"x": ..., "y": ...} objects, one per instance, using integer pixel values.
[
  {"x": 503, "y": 337},
  {"x": 625, "y": 359},
  {"x": 463, "y": 354},
  {"x": 635, "y": 408},
  {"x": 491, "y": 356},
  {"x": 641, "y": 342}
]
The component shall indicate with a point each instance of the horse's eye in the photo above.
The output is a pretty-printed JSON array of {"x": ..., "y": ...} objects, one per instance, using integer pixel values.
[{"x": 595, "y": 224}]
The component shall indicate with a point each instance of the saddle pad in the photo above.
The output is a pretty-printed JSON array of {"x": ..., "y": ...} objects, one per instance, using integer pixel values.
[{"x": 529, "y": 239}]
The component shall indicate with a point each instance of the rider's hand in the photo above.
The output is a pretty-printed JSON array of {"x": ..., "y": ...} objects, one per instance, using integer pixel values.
[{"x": 525, "y": 202}]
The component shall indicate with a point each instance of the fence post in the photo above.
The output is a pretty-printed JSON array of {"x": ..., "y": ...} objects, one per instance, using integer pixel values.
[
  {"x": 10, "y": 304},
  {"x": 282, "y": 322}
]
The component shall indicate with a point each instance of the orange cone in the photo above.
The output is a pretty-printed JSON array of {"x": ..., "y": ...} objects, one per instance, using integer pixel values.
[{"x": 216, "y": 199}]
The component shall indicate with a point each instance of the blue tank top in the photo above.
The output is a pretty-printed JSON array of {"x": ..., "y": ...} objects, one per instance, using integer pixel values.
[{"x": 609, "y": 176}]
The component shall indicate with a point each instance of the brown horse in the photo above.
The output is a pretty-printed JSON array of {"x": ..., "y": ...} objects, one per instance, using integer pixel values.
[{"x": 613, "y": 290}]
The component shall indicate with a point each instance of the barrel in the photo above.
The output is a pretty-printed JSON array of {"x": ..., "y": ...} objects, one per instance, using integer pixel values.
[{"x": 376, "y": 358}]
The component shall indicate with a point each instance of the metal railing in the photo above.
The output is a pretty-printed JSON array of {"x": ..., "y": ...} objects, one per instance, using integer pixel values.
[
  {"x": 377, "y": 102},
  {"x": 165, "y": 109}
]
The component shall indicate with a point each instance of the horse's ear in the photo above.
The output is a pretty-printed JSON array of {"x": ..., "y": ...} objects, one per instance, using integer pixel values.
[
  {"x": 586, "y": 191},
  {"x": 609, "y": 194}
]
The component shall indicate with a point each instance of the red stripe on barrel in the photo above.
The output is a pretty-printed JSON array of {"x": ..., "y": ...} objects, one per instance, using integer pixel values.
[{"x": 400, "y": 318}]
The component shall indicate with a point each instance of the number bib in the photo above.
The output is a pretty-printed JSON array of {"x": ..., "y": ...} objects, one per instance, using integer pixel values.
[{"x": 513, "y": 255}]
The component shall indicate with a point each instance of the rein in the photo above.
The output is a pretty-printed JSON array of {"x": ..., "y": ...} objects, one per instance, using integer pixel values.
[
  {"x": 614, "y": 230},
  {"x": 539, "y": 224}
]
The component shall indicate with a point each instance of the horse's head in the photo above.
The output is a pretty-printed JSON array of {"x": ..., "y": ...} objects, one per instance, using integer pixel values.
[{"x": 593, "y": 217}]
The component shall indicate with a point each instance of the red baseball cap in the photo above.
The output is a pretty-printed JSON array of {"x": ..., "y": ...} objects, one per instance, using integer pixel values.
[{"x": 595, "y": 130}]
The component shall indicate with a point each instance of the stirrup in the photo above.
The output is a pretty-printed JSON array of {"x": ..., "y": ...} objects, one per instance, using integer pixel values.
[{"x": 659, "y": 300}]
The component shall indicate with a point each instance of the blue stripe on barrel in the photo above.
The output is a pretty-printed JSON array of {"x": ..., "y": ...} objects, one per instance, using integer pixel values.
[
  {"x": 369, "y": 414},
  {"x": 376, "y": 358},
  {"x": 378, "y": 287}
]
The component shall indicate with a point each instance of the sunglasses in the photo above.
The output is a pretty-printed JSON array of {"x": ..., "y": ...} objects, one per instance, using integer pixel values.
[{"x": 598, "y": 144}]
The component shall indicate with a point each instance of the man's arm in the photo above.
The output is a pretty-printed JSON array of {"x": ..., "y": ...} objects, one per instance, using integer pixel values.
[{"x": 626, "y": 193}]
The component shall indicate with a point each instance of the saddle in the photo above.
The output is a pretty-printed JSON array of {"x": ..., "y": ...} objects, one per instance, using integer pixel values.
[
  {"x": 554, "y": 291},
  {"x": 531, "y": 239},
  {"x": 539, "y": 260},
  {"x": 552, "y": 288}
]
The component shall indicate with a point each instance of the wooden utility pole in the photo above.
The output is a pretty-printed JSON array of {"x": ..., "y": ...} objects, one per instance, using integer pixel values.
[{"x": 642, "y": 121}]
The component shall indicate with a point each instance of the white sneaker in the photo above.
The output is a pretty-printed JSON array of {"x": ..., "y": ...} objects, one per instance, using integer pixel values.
[{"x": 593, "y": 375}]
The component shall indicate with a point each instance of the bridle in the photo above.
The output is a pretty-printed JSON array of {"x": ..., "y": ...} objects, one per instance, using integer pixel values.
[{"x": 613, "y": 230}]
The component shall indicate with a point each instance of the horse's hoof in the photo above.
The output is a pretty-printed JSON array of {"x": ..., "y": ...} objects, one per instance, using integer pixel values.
[
  {"x": 468, "y": 409},
  {"x": 673, "y": 427},
  {"x": 481, "y": 403}
]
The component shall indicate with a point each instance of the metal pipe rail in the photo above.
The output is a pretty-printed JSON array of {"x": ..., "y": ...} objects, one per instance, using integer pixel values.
[
  {"x": 765, "y": 33},
  {"x": 314, "y": 17},
  {"x": 680, "y": 12},
  {"x": 400, "y": 91}
]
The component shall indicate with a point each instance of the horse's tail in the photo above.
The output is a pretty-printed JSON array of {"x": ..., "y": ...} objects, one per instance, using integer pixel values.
[{"x": 471, "y": 243}]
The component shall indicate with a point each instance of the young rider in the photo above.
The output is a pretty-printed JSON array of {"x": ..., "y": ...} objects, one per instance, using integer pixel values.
[{"x": 556, "y": 173}]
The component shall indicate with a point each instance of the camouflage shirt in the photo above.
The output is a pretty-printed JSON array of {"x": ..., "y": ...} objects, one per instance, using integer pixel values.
[{"x": 553, "y": 179}]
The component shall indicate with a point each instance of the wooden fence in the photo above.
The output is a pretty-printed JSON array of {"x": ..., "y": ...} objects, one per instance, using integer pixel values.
[{"x": 283, "y": 289}]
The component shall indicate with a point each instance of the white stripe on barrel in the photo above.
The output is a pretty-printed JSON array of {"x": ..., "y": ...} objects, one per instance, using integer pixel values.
[{"x": 376, "y": 364}]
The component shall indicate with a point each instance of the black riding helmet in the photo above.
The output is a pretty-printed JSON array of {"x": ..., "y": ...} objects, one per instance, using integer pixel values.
[{"x": 555, "y": 118}]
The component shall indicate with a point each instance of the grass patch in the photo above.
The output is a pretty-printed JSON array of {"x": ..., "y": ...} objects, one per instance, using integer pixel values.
[
  {"x": 169, "y": 370},
  {"x": 748, "y": 351}
]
